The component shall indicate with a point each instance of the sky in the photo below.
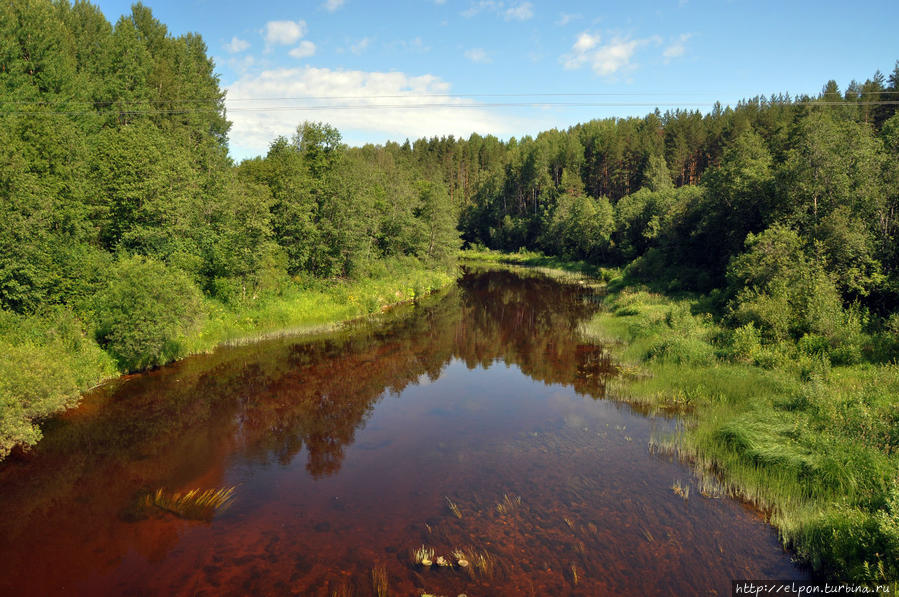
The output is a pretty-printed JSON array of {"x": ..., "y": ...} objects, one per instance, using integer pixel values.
[{"x": 391, "y": 70}]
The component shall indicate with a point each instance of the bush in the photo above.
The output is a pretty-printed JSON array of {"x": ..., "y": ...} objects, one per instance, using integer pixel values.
[
  {"x": 145, "y": 312},
  {"x": 45, "y": 362}
]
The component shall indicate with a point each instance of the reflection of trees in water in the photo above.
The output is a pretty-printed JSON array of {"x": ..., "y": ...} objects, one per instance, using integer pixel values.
[{"x": 267, "y": 401}]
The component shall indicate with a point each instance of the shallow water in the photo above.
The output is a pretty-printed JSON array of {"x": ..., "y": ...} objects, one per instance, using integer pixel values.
[{"x": 348, "y": 451}]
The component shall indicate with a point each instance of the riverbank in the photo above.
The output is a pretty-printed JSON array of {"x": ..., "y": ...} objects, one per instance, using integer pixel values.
[
  {"x": 49, "y": 359},
  {"x": 814, "y": 445}
]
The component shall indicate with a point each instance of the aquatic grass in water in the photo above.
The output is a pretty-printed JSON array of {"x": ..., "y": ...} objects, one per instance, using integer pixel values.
[
  {"x": 194, "y": 504},
  {"x": 422, "y": 556},
  {"x": 453, "y": 507},
  {"x": 508, "y": 504},
  {"x": 379, "y": 580}
]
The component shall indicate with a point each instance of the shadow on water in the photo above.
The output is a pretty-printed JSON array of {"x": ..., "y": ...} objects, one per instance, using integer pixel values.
[{"x": 463, "y": 423}]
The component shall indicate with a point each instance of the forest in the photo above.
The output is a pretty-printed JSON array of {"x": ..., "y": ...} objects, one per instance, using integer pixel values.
[{"x": 129, "y": 237}]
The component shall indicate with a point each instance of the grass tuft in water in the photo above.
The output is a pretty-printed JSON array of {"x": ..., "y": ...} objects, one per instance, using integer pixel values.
[
  {"x": 681, "y": 489},
  {"x": 422, "y": 556},
  {"x": 194, "y": 504},
  {"x": 453, "y": 507},
  {"x": 508, "y": 503},
  {"x": 379, "y": 580}
]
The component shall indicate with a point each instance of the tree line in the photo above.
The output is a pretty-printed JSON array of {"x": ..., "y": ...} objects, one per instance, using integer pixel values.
[
  {"x": 784, "y": 208},
  {"x": 124, "y": 222}
]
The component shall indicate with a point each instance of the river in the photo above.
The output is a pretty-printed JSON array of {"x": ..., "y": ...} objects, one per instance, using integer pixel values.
[{"x": 475, "y": 421}]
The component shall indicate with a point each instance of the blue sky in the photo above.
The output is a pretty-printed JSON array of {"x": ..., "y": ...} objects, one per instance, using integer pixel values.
[{"x": 392, "y": 70}]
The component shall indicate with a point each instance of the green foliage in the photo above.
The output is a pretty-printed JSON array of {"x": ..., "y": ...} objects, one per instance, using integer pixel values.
[
  {"x": 581, "y": 228},
  {"x": 45, "y": 362},
  {"x": 145, "y": 313}
]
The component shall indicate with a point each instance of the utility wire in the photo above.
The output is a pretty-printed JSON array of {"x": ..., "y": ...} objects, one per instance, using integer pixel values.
[
  {"x": 422, "y": 95},
  {"x": 406, "y": 106}
]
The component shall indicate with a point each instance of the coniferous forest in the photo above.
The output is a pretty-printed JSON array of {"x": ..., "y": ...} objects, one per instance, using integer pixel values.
[{"x": 130, "y": 238}]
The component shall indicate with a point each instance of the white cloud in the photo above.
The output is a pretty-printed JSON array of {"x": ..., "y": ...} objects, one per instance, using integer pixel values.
[
  {"x": 237, "y": 45},
  {"x": 606, "y": 59},
  {"x": 512, "y": 11},
  {"x": 677, "y": 48},
  {"x": 477, "y": 55},
  {"x": 361, "y": 45},
  {"x": 565, "y": 18},
  {"x": 284, "y": 32},
  {"x": 519, "y": 12},
  {"x": 361, "y": 108},
  {"x": 585, "y": 42},
  {"x": 332, "y": 5},
  {"x": 304, "y": 50}
]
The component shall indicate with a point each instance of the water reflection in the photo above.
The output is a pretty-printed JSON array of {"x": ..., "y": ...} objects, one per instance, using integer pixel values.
[{"x": 252, "y": 415}]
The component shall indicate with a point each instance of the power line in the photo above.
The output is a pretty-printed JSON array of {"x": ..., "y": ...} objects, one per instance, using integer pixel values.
[
  {"x": 407, "y": 106},
  {"x": 412, "y": 96}
]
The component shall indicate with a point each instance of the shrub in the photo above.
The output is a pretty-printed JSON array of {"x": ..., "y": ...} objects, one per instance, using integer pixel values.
[
  {"x": 45, "y": 362},
  {"x": 145, "y": 312}
]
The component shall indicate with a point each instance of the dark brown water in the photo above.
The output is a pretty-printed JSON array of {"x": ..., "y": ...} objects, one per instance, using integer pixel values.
[{"x": 346, "y": 453}]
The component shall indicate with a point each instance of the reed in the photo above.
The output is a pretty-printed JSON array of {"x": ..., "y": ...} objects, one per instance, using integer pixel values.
[
  {"x": 453, "y": 507},
  {"x": 422, "y": 556},
  {"x": 194, "y": 504},
  {"x": 379, "y": 580},
  {"x": 508, "y": 504},
  {"x": 682, "y": 490}
]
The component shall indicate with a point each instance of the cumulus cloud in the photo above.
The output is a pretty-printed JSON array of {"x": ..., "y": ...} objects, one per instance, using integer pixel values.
[
  {"x": 511, "y": 11},
  {"x": 237, "y": 45},
  {"x": 352, "y": 101},
  {"x": 332, "y": 5},
  {"x": 677, "y": 48},
  {"x": 605, "y": 59},
  {"x": 565, "y": 18},
  {"x": 284, "y": 33},
  {"x": 477, "y": 55},
  {"x": 304, "y": 50},
  {"x": 585, "y": 42}
]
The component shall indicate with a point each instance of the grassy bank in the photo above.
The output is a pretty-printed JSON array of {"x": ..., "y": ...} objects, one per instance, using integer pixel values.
[
  {"x": 48, "y": 360},
  {"x": 813, "y": 444}
]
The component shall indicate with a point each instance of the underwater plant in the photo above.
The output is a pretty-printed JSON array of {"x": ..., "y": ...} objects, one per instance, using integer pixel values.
[
  {"x": 453, "y": 507},
  {"x": 508, "y": 504},
  {"x": 379, "y": 580},
  {"x": 683, "y": 490},
  {"x": 194, "y": 504},
  {"x": 423, "y": 556}
]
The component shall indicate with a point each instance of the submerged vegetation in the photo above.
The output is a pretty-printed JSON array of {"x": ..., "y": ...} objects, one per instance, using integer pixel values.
[{"x": 195, "y": 504}]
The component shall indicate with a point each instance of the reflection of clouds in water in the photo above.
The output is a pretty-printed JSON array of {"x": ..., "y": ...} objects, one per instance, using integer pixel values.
[{"x": 575, "y": 421}]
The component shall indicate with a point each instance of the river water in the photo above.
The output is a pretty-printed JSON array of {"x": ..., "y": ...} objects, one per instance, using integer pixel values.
[{"x": 476, "y": 421}]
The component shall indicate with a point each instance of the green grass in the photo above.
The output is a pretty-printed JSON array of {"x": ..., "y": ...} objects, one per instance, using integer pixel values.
[
  {"x": 538, "y": 260},
  {"x": 814, "y": 445}
]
